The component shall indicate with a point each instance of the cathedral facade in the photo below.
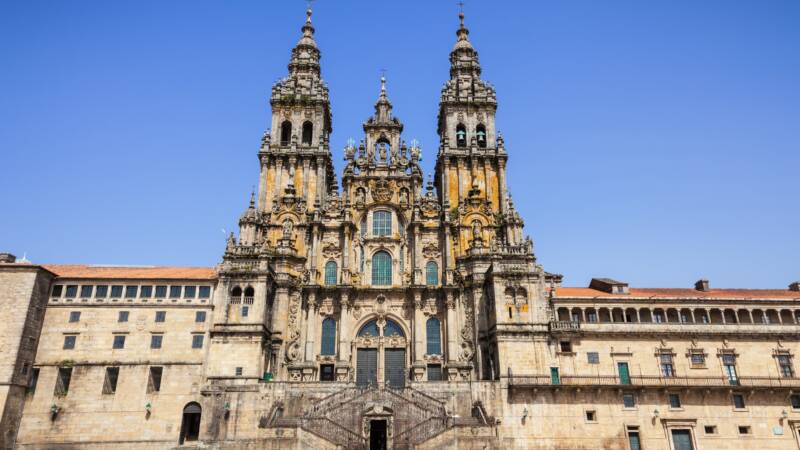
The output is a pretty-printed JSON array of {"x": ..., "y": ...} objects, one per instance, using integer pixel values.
[{"x": 393, "y": 311}]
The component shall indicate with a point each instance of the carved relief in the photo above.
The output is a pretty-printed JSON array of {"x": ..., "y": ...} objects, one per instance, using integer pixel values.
[
  {"x": 382, "y": 189},
  {"x": 293, "y": 341},
  {"x": 331, "y": 250},
  {"x": 430, "y": 250}
]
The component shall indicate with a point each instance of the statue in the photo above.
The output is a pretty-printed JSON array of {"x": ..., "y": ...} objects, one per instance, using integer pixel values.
[
  {"x": 403, "y": 196},
  {"x": 231, "y": 243},
  {"x": 287, "y": 229},
  {"x": 476, "y": 230},
  {"x": 360, "y": 196},
  {"x": 382, "y": 151}
]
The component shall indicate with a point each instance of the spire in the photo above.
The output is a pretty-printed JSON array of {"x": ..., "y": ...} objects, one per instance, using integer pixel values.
[
  {"x": 305, "y": 55},
  {"x": 383, "y": 107},
  {"x": 464, "y": 58},
  {"x": 308, "y": 31}
]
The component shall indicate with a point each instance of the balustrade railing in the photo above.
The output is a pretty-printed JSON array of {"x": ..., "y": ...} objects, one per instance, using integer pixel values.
[
  {"x": 564, "y": 325},
  {"x": 541, "y": 380},
  {"x": 333, "y": 432}
]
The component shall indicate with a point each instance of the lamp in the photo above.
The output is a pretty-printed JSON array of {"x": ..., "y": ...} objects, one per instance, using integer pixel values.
[
  {"x": 656, "y": 413},
  {"x": 784, "y": 415}
]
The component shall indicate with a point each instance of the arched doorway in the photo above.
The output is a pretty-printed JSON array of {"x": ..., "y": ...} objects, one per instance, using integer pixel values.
[
  {"x": 190, "y": 425},
  {"x": 381, "y": 354}
]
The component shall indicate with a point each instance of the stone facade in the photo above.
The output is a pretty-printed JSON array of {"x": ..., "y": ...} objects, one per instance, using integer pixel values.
[{"x": 392, "y": 312}]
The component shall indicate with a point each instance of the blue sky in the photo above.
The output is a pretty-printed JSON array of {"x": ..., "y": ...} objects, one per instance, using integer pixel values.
[{"x": 652, "y": 142}]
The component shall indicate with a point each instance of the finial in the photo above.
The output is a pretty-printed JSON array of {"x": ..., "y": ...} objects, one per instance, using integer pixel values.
[
  {"x": 461, "y": 13},
  {"x": 308, "y": 11},
  {"x": 253, "y": 197}
]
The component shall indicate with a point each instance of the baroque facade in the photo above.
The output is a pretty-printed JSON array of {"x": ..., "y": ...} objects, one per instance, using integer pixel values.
[{"x": 394, "y": 312}]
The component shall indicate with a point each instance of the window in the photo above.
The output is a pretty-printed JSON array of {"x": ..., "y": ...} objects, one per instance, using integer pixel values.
[
  {"x": 738, "y": 401},
  {"x": 146, "y": 291},
  {"x": 480, "y": 134},
  {"x": 369, "y": 329},
  {"x": 461, "y": 135},
  {"x": 57, "y": 290},
  {"x": 238, "y": 371},
  {"x": 308, "y": 131},
  {"x": 710, "y": 429},
  {"x": 658, "y": 317},
  {"x": 245, "y": 311},
  {"x": 200, "y": 316},
  {"x": 101, "y": 291},
  {"x": 86, "y": 291},
  {"x": 110, "y": 383},
  {"x": 119, "y": 341},
  {"x": 795, "y": 401},
  {"x": 667, "y": 369},
  {"x": 743, "y": 429},
  {"x": 154, "y": 380},
  {"x": 131, "y": 291},
  {"x": 197, "y": 341},
  {"x": 161, "y": 316},
  {"x": 381, "y": 223},
  {"x": 72, "y": 291},
  {"x": 156, "y": 340},
  {"x": 122, "y": 316},
  {"x": 69, "y": 341},
  {"x": 174, "y": 292},
  {"x": 392, "y": 329},
  {"x": 591, "y": 415},
  {"x": 431, "y": 274},
  {"x": 116, "y": 291},
  {"x": 33, "y": 381},
  {"x": 74, "y": 316},
  {"x": 326, "y": 372},
  {"x": 328, "y": 342},
  {"x": 189, "y": 291},
  {"x": 628, "y": 400},
  {"x": 204, "y": 292},
  {"x": 433, "y": 335},
  {"x": 161, "y": 291},
  {"x": 62, "y": 382},
  {"x": 330, "y": 273},
  {"x": 565, "y": 346},
  {"x": 729, "y": 367},
  {"x": 674, "y": 401},
  {"x": 785, "y": 366},
  {"x": 381, "y": 269},
  {"x": 697, "y": 358},
  {"x": 286, "y": 133},
  {"x": 593, "y": 357},
  {"x": 591, "y": 317},
  {"x": 434, "y": 372},
  {"x": 633, "y": 438}
]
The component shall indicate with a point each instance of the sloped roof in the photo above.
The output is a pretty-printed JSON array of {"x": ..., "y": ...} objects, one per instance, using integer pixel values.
[
  {"x": 687, "y": 293},
  {"x": 78, "y": 271}
]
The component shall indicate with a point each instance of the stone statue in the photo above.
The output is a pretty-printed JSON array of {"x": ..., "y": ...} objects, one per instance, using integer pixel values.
[
  {"x": 476, "y": 230},
  {"x": 382, "y": 152},
  {"x": 287, "y": 229},
  {"x": 360, "y": 196}
]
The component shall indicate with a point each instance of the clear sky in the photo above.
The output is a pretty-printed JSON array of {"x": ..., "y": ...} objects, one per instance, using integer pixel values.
[{"x": 653, "y": 142}]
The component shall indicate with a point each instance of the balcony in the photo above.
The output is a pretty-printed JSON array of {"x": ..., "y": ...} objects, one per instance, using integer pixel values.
[
  {"x": 647, "y": 381},
  {"x": 565, "y": 325}
]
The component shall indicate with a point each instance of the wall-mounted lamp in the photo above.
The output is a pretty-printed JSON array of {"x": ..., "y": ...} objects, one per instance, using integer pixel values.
[
  {"x": 784, "y": 415},
  {"x": 54, "y": 410},
  {"x": 227, "y": 409},
  {"x": 525, "y": 412},
  {"x": 148, "y": 408},
  {"x": 656, "y": 413}
]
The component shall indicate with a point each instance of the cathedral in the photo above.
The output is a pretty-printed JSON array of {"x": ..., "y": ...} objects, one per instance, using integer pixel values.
[{"x": 383, "y": 308}]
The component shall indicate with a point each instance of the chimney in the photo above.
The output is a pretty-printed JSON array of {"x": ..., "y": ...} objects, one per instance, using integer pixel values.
[
  {"x": 702, "y": 285},
  {"x": 795, "y": 287},
  {"x": 608, "y": 285},
  {"x": 7, "y": 258}
]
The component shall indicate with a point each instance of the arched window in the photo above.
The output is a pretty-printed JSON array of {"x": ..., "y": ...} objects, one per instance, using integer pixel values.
[
  {"x": 236, "y": 295},
  {"x": 330, "y": 273},
  {"x": 286, "y": 132},
  {"x": 431, "y": 273},
  {"x": 364, "y": 226},
  {"x": 328, "y": 337},
  {"x": 480, "y": 133},
  {"x": 249, "y": 292},
  {"x": 190, "y": 425},
  {"x": 369, "y": 329},
  {"x": 381, "y": 223},
  {"x": 434, "y": 336},
  {"x": 392, "y": 328},
  {"x": 382, "y": 269},
  {"x": 308, "y": 131},
  {"x": 461, "y": 135}
]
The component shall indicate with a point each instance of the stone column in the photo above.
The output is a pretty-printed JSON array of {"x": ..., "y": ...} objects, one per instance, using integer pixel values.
[
  {"x": 280, "y": 311},
  {"x": 501, "y": 181},
  {"x": 419, "y": 326},
  {"x": 452, "y": 327},
  {"x": 311, "y": 326},
  {"x": 263, "y": 186},
  {"x": 279, "y": 177},
  {"x": 346, "y": 327}
]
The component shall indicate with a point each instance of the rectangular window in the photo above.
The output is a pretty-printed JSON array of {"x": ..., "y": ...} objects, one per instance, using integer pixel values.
[
  {"x": 593, "y": 357},
  {"x": 161, "y": 291},
  {"x": 795, "y": 401},
  {"x": 204, "y": 292},
  {"x": 566, "y": 347},
  {"x": 698, "y": 358},
  {"x": 110, "y": 383},
  {"x": 667, "y": 369},
  {"x": 161, "y": 316},
  {"x": 628, "y": 400},
  {"x": 57, "y": 290},
  {"x": 72, "y": 291},
  {"x": 591, "y": 317},
  {"x": 62, "y": 382},
  {"x": 326, "y": 372},
  {"x": 197, "y": 341},
  {"x": 174, "y": 292},
  {"x": 200, "y": 316},
  {"x": 119, "y": 341},
  {"x": 69, "y": 341},
  {"x": 434, "y": 372},
  {"x": 634, "y": 439},
  {"x": 116, "y": 291},
  {"x": 146, "y": 292},
  {"x": 130, "y": 291},
  {"x": 674, "y": 401},
  {"x": 86, "y": 291},
  {"x": 744, "y": 429},
  {"x": 738, "y": 401},
  {"x": 33, "y": 381},
  {"x": 710, "y": 429},
  {"x": 238, "y": 371},
  {"x": 658, "y": 317},
  {"x": 74, "y": 316},
  {"x": 155, "y": 341},
  {"x": 785, "y": 366},
  {"x": 154, "y": 380},
  {"x": 381, "y": 223},
  {"x": 729, "y": 367},
  {"x": 123, "y": 316},
  {"x": 591, "y": 415},
  {"x": 245, "y": 311},
  {"x": 189, "y": 291},
  {"x": 101, "y": 291}
]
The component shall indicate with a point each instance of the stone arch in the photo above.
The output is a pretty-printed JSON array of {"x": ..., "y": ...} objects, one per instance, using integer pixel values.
[
  {"x": 286, "y": 133},
  {"x": 307, "y": 133}
]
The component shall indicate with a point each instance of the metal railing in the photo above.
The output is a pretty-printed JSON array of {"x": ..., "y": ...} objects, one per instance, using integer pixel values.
[
  {"x": 541, "y": 380},
  {"x": 565, "y": 325}
]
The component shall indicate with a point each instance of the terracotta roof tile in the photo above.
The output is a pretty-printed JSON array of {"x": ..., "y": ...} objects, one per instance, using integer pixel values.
[
  {"x": 123, "y": 272},
  {"x": 683, "y": 293}
]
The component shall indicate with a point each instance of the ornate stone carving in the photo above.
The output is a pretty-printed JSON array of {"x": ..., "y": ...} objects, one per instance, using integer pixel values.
[
  {"x": 430, "y": 250},
  {"x": 382, "y": 189},
  {"x": 330, "y": 250}
]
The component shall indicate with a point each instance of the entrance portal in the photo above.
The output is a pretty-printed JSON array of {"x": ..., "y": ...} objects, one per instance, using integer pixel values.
[
  {"x": 190, "y": 425},
  {"x": 377, "y": 435}
]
